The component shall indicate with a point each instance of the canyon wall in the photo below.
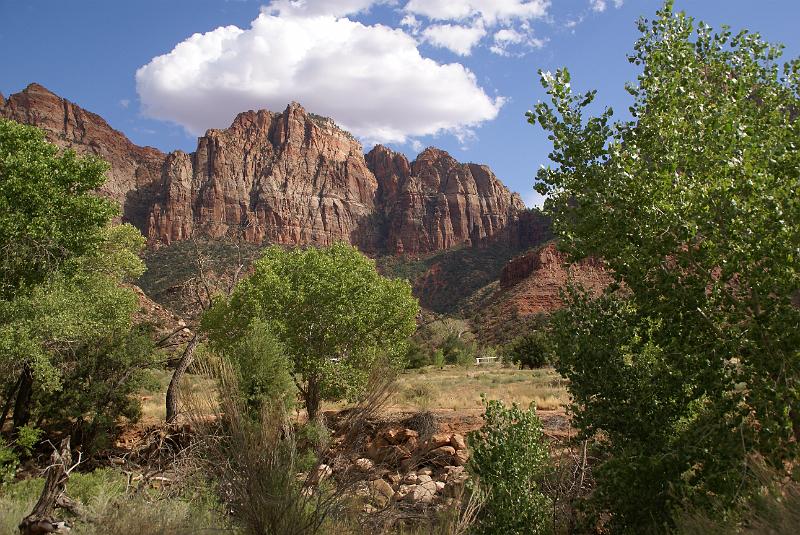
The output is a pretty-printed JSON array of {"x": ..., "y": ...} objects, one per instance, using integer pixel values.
[{"x": 291, "y": 178}]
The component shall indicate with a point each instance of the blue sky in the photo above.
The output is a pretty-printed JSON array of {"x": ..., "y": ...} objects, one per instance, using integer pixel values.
[{"x": 456, "y": 74}]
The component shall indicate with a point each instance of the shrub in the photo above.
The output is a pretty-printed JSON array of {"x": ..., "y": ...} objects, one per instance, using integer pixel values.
[
  {"x": 509, "y": 457},
  {"x": 532, "y": 350}
]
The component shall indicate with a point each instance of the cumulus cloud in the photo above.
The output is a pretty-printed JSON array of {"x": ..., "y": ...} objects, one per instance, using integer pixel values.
[
  {"x": 458, "y": 39},
  {"x": 490, "y": 11},
  {"x": 372, "y": 80},
  {"x": 336, "y": 8},
  {"x": 507, "y": 37},
  {"x": 474, "y": 19}
]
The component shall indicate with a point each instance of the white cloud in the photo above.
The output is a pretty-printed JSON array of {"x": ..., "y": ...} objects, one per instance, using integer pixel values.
[
  {"x": 411, "y": 22},
  {"x": 471, "y": 20},
  {"x": 490, "y": 11},
  {"x": 505, "y": 38},
  {"x": 598, "y": 5},
  {"x": 337, "y": 8},
  {"x": 601, "y": 5},
  {"x": 459, "y": 39},
  {"x": 125, "y": 102},
  {"x": 372, "y": 80}
]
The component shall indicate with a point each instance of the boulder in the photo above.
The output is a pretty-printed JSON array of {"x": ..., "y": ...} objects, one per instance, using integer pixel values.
[
  {"x": 458, "y": 442},
  {"x": 381, "y": 492}
]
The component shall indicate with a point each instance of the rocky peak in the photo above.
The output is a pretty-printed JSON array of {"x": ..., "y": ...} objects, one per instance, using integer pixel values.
[
  {"x": 134, "y": 170},
  {"x": 436, "y": 202},
  {"x": 291, "y": 177}
]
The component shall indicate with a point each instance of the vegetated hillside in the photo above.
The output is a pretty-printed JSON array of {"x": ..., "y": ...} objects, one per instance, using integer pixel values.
[
  {"x": 293, "y": 178},
  {"x": 529, "y": 286}
]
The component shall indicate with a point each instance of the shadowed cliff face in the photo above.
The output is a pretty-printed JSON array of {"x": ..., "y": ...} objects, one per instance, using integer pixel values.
[{"x": 290, "y": 178}]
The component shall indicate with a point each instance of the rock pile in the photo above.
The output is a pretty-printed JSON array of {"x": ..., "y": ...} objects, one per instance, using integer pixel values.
[{"x": 398, "y": 466}]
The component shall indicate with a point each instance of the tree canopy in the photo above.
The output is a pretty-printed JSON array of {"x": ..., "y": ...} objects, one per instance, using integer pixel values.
[
  {"x": 333, "y": 314},
  {"x": 69, "y": 352},
  {"x": 690, "y": 364},
  {"x": 48, "y": 209}
]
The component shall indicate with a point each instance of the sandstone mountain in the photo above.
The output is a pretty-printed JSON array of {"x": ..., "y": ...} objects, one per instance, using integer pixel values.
[
  {"x": 291, "y": 178},
  {"x": 530, "y": 285}
]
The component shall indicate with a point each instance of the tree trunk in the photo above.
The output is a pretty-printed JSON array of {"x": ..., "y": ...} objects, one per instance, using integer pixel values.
[
  {"x": 9, "y": 401},
  {"x": 22, "y": 407},
  {"x": 173, "y": 390},
  {"x": 312, "y": 398},
  {"x": 53, "y": 495}
]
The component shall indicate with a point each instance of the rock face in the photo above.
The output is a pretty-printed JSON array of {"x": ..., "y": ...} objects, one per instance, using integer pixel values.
[
  {"x": 436, "y": 202},
  {"x": 290, "y": 178},
  {"x": 533, "y": 281},
  {"x": 530, "y": 285}
]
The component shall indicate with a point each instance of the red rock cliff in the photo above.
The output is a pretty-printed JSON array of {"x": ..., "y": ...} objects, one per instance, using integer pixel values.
[
  {"x": 292, "y": 178},
  {"x": 436, "y": 202}
]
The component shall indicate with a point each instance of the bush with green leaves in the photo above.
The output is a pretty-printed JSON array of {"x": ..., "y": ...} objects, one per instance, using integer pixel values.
[
  {"x": 509, "y": 459},
  {"x": 262, "y": 367},
  {"x": 689, "y": 364},
  {"x": 69, "y": 347},
  {"x": 532, "y": 350},
  {"x": 334, "y": 315}
]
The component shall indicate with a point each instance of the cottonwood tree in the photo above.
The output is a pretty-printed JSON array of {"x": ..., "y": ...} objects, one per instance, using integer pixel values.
[
  {"x": 48, "y": 215},
  {"x": 331, "y": 312},
  {"x": 693, "y": 203}
]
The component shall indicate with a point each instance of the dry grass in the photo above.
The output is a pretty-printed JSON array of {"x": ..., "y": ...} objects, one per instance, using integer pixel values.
[
  {"x": 457, "y": 388},
  {"x": 154, "y": 402}
]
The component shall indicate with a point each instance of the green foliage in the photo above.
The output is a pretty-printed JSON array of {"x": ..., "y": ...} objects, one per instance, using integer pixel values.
[
  {"x": 74, "y": 333},
  {"x": 442, "y": 341},
  {"x": 532, "y": 350},
  {"x": 693, "y": 365},
  {"x": 333, "y": 314},
  {"x": 509, "y": 457},
  {"x": 48, "y": 211},
  {"x": 263, "y": 369}
]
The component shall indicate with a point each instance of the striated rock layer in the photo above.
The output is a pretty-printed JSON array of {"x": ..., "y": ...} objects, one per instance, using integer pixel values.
[
  {"x": 530, "y": 285},
  {"x": 291, "y": 178},
  {"x": 435, "y": 202}
]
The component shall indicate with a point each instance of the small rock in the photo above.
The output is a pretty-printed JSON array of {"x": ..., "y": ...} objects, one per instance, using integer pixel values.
[
  {"x": 458, "y": 442},
  {"x": 423, "y": 493},
  {"x": 322, "y": 472},
  {"x": 424, "y": 471},
  {"x": 424, "y": 478},
  {"x": 461, "y": 457},
  {"x": 403, "y": 491},
  {"x": 438, "y": 440},
  {"x": 442, "y": 456},
  {"x": 364, "y": 465},
  {"x": 440, "y": 486},
  {"x": 394, "y": 435},
  {"x": 410, "y": 479},
  {"x": 381, "y": 491},
  {"x": 394, "y": 478}
]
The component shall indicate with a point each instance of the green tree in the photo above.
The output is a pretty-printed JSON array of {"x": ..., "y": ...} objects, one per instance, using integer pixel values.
[
  {"x": 509, "y": 458},
  {"x": 689, "y": 364},
  {"x": 331, "y": 311},
  {"x": 71, "y": 341},
  {"x": 48, "y": 210},
  {"x": 263, "y": 369},
  {"x": 533, "y": 350}
]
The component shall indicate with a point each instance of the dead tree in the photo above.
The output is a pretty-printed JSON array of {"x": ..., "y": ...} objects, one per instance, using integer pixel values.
[
  {"x": 203, "y": 294},
  {"x": 41, "y": 519}
]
